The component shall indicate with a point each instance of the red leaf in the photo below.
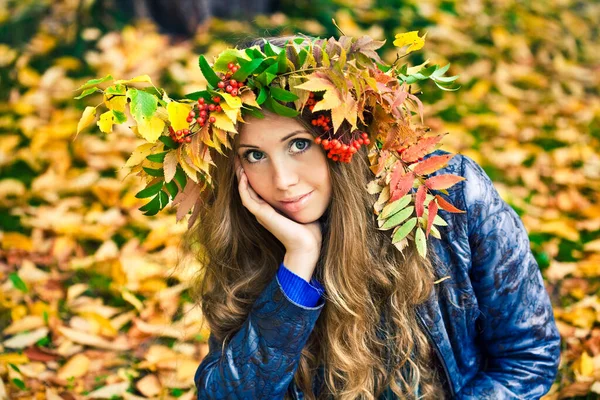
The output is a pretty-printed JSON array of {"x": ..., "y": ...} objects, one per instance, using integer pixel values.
[
  {"x": 424, "y": 146},
  {"x": 446, "y": 205},
  {"x": 402, "y": 187},
  {"x": 443, "y": 181},
  {"x": 433, "y": 209},
  {"x": 420, "y": 199},
  {"x": 432, "y": 164}
]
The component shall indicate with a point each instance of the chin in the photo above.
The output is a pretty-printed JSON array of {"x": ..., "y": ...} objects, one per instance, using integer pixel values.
[{"x": 305, "y": 216}]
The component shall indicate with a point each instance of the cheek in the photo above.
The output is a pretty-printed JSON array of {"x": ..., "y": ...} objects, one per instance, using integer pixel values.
[{"x": 258, "y": 182}]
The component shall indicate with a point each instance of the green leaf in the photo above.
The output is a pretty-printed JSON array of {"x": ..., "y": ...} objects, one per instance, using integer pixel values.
[
  {"x": 116, "y": 89},
  {"x": 158, "y": 157},
  {"x": 404, "y": 230},
  {"x": 262, "y": 95},
  {"x": 246, "y": 68},
  {"x": 280, "y": 109},
  {"x": 271, "y": 50},
  {"x": 227, "y": 56},
  {"x": 154, "y": 171},
  {"x": 143, "y": 105},
  {"x": 168, "y": 142},
  {"x": 283, "y": 95},
  {"x": 254, "y": 112},
  {"x": 180, "y": 177},
  {"x": 19, "y": 383},
  {"x": 120, "y": 117},
  {"x": 18, "y": 282},
  {"x": 282, "y": 63},
  {"x": 395, "y": 206},
  {"x": 196, "y": 95},
  {"x": 94, "y": 82},
  {"x": 14, "y": 367},
  {"x": 150, "y": 190},
  {"x": 398, "y": 218},
  {"x": 208, "y": 73},
  {"x": 158, "y": 203},
  {"x": 172, "y": 188},
  {"x": 421, "y": 242},
  {"x": 86, "y": 92}
]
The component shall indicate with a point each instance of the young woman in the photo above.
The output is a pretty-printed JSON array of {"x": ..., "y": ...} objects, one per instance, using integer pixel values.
[{"x": 306, "y": 298}]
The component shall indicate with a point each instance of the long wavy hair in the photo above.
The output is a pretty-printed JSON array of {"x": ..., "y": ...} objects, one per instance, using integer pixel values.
[{"x": 367, "y": 338}]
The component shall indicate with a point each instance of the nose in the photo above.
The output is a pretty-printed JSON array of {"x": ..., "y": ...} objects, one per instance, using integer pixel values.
[{"x": 284, "y": 175}]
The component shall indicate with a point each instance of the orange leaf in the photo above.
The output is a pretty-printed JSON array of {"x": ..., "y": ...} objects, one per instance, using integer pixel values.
[
  {"x": 446, "y": 205},
  {"x": 443, "y": 181},
  {"x": 424, "y": 146},
  {"x": 420, "y": 199},
  {"x": 402, "y": 187},
  {"x": 433, "y": 209},
  {"x": 432, "y": 164}
]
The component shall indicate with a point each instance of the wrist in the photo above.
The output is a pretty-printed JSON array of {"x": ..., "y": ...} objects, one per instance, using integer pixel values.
[{"x": 301, "y": 263}]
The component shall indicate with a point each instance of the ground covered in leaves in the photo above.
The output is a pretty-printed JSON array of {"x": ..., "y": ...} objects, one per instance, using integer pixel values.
[{"x": 91, "y": 304}]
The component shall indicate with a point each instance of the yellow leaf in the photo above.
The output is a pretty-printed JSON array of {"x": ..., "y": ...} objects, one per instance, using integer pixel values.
[
  {"x": 585, "y": 364},
  {"x": 347, "y": 110},
  {"x": 187, "y": 168},
  {"x": 410, "y": 38},
  {"x": 131, "y": 299},
  {"x": 170, "y": 164},
  {"x": 232, "y": 101},
  {"x": 137, "y": 79},
  {"x": 15, "y": 240},
  {"x": 14, "y": 358},
  {"x": 76, "y": 367},
  {"x": 151, "y": 129},
  {"x": 139, "y": 154},
  {"x": 331, "y": 98},
  {"x": 116, "y": 103},
  {"x": 178, "y": 112},
  {"x": 88, "y": 116},
  {"x": 248, "y": 97},
  {"x": 106, "y": 121},
  {"x": 222, "y": 121},
  {"x": 232, "y": 113}
]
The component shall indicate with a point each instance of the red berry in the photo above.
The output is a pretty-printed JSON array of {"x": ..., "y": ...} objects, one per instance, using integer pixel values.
[
  {"x": 189, "y": 119},
  {"x": 211, "y": 107},
  {"x": 367, "y": 141},
  {"x": 335, "y": 158},
  {"x": 361, "y": 141},
  {"x": 200, "y": 120},
  {"x": 318, "y": 140},
  {"x": 203, "y": 114},
  {"x": 221, "y": 85},
  {"x": 234, "y": 92},
  {"x": 202, "y": 107},
  {"x": 218, "y": 109},
  {"x": 188, "y": 139},
  {"x": 229, "y": 88},
  {"x": 230, "y": 65},
  {"x": 235, "y": 69},
  {"x": 353, "y": 150},
  {"x": 201, "y": 100},
  {"x": 217, "y": 99},
  {"x": 233, "y": 82},
  {"x": 325, "y": 142},
  {"x": 192, "y": 114},
  {"x": 365, "y": 135},
  {"x": 212, "y": 120}
]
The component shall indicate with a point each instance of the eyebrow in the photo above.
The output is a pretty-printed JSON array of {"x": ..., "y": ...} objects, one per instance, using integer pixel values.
[{"x": 283, "y": 139}]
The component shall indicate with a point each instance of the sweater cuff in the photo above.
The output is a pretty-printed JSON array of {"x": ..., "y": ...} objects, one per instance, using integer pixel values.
[{"x": 297, "y": 289}]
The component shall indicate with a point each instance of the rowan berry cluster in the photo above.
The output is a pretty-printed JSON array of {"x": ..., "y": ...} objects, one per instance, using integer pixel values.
[
  {"x": 340, "y": 151},
  {"x": 231, "y": 86}
]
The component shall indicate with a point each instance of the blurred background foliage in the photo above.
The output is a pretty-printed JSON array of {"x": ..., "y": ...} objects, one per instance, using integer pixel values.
[{"x": 90, "y": 302}]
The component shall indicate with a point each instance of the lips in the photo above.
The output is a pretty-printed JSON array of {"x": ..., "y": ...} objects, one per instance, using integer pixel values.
[{"x": 296, "y": 203}]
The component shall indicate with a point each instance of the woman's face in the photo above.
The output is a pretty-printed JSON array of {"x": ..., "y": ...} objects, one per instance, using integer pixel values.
[{"x": 285, "y": 167}]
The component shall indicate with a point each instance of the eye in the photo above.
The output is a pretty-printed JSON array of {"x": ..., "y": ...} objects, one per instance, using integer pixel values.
[
  {"x": 300, "y": 145},
  {"x": 253, "y": 156}
]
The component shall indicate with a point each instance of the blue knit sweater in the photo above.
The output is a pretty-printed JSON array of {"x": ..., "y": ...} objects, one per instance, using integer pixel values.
[{"x": 297, "y": 289}]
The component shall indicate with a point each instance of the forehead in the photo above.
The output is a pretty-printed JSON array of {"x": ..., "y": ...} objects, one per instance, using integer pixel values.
[{"x": 270, "y": 129}]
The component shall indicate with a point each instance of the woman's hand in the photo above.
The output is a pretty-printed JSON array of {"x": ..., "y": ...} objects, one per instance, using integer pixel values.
[{"x": 298, "y": 239}]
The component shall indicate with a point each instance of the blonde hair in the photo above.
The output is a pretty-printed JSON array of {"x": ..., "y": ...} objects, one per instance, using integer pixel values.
[{"x": 364, "y": 276}]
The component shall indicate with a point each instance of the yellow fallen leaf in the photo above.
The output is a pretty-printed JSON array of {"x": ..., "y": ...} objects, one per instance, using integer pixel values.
[
  {"x": 151, "y": 129},
  {"x": 24, "y": 324},
  {"x": 76, "y": 367},
  {"x": 149, "y": 385},
  {"x": 107, "y": 392},
  {"x": 584, "y": 365},
  {"x": 93, "y": 340},
  {"x": 88, "y": 116},
  {"x": 15, "y": 240},
  {"x": 178, "y": 113},
  {"x": 26, "y": 339},
  {"x": 562, "y": 228},
  {"x": 131, "y": 299},
  {"x": 14, "y": 358},
  {"x": 106, "y": 121}
]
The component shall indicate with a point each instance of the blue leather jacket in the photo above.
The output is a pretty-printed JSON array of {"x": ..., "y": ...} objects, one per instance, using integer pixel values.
[{"x": 491, "y": 323}]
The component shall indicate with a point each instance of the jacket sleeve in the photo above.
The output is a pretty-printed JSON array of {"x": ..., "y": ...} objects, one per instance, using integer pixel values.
[
  {"x": 517, "y": 332},
  {"x": 260, "y": 360}
]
